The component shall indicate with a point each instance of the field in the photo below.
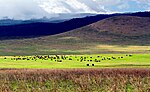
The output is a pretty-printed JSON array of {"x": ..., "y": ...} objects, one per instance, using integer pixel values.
[
  {"x": 75, "y": 73},
  {"x": 77, "y": 61},
  {"x": 75, "y": 80}
]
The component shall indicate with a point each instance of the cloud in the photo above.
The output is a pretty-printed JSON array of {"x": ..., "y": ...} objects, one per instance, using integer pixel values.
[
  {"x": 143, "y": 1},
  {"x": 20, "y": 9},
  {"x": 108, "y": 2},
  {"x": 71, "y": 6},
  {"x": 27, "y": 9}
]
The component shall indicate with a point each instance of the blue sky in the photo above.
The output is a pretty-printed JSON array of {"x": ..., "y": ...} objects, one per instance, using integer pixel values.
[
  {"x": 26, "y": 9},
  {"x": 129, "y": 6}
]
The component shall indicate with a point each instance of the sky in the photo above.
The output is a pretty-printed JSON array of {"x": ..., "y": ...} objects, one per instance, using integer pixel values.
[{"x": 27, "y": 9}]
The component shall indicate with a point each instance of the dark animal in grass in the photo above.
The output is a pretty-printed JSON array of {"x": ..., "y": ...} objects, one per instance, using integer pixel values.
[
  {"x": 81, "y": 59},
  {"x": 23, "y": 58},
  {"x": 62, "y": 57},
  {"x": 92, "y": 64},
  {"x": 113, "y": 58},
  {"x": 130, "y": 55},
  {"x": 104, "y": 58},
  {"x": 59, "y": 60},
  {"x": 70, "y": 58},
  {"x": 109, "y": 58},
  {"x": 57, "y": 57},
  {"x": 97, "y": 61},
  {"x": 87, "y": 64}
]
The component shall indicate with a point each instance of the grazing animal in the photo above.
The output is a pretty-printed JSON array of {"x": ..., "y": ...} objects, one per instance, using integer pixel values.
[
  {"x": 130, "y": 55},
  {"x": 59, "y": 60},
  {"x": 70, "y": 58},
  {"x": 108, "y": 58}
]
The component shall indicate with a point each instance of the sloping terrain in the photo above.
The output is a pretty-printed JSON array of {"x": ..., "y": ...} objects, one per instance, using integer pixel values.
[
  {"x": 32, "y": 28},
  {"x": 37, "y": 28},
  {"x": 119, "y": 34},
  {"x": 123, "y": 30}
]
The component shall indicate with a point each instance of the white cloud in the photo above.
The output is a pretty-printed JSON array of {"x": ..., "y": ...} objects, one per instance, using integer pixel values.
[
  {"x": 108, "y": 2},
  {"x": 123, "y": 5},
  {"x": 53, "y": 6},
  {"x": 71, "y": 6},
  {"x": 26, "y": 9},
  {"x": 20, "y": 9},
  {"x": 143, "y": 1}
]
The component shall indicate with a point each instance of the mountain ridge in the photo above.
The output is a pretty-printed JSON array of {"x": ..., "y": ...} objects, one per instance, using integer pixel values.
[{"x": 42, "y": 29}]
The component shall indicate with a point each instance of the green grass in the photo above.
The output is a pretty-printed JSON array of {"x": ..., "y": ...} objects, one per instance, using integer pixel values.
[{"x": 135, "y": 61}]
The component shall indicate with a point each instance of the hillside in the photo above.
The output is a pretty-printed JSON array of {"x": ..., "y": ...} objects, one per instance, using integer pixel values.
[
  {"x": 116, "y": 30},
  {"x": 119, "y": 34},
  {"x": 31, "y": 28},
  {"x": 43, "y": 27}
]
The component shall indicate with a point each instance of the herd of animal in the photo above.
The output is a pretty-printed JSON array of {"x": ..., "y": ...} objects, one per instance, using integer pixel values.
[{"x": 61, "y": 58}]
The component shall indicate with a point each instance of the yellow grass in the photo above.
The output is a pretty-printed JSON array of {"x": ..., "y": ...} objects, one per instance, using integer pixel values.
[{"x": 123, "y": 48}]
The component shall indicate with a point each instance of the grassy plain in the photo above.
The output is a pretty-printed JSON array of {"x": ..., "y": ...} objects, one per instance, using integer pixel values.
[
  {"x": 124, "y": 73},
  {"x": 78, "y": 61}
]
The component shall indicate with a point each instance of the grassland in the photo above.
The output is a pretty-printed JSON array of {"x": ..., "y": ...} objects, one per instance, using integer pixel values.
[
  {"x": 66, "y": 45},
  {"x": 70, "y": 73},
  {"x": 75, "y": 80},
  {"x": 77, "y": 61}
]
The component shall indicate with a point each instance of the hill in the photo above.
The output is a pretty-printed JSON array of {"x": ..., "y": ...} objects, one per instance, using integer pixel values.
[
  {"x": 118, "y": 34},
  {"x": 118, "y": 30},
  {"x": 34, "y": 28}
]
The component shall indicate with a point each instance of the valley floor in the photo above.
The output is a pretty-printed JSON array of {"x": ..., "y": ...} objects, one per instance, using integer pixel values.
[
  {"x": 75, "y": 73},
  {"x": 76, "y": 61}
]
